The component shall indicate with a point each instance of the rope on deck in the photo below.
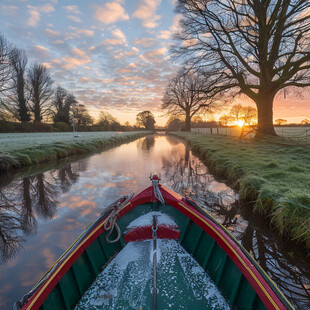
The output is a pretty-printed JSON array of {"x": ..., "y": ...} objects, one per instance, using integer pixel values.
[{"x": 154, "y": 228}]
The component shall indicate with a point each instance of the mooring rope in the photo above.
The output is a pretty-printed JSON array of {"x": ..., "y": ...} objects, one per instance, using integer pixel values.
[
  {"x": 110, "y": 224},
  {"x": 154, "y": 228},
  {"x": 157, "y": 192}
]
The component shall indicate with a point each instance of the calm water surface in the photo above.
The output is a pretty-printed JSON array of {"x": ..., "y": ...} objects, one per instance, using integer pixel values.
[{"x": 43, "y": 210}]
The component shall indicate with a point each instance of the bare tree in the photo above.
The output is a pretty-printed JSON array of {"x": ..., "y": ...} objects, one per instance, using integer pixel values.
[
  {"x": 236, "y": 111},
  {"x": 107, "y": 122},
  {"x": 225, "y": 120},
  {"x": 63, "y": 102},
  {"x": 249, "y": 114},
  {"x": 40, "y": 86},
  {"x": 5, "y": 65},
  {"x": 256, "y": 46},
  {"x": 19, "y": 64},
  {"x": 186, "y": 95},
  {"x": 82, "y": 117},
  {"x": 7, "y": 112}
]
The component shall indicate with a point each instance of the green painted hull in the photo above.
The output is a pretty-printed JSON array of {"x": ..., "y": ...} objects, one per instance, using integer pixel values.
[{"x": 229, "y": 279}]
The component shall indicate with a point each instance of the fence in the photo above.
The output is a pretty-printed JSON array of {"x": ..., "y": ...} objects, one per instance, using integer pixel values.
[
  {"x": 297, "y": 134},
  {"x": 294, "y": 135},
  {"x": 227, "y": 131}
]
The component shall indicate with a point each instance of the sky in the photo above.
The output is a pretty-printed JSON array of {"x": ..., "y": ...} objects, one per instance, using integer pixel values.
[{"x": 113, "y": 55}]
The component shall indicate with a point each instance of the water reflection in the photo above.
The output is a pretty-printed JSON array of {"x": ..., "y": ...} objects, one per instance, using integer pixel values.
[
  {"x": 284, "y": 262},
  {"x": 24, "y": 200},
  {"x": 43, "y": 211},
  {"x": 146, "y": 143}
]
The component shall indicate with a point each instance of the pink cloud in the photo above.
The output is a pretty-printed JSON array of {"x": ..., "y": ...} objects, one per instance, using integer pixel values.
[
  {"x": 74, "y": 18},
  {"x": 110, "y": 13},
  {"x": 155, "y": 55},
  {"x": 48, "y": 65},
  {"x": 117, "y": 33},
  {"x": 165, "y": 34},
  {"x": 78, "y": 52},
  {"x": 85, "y": 32},
  {"x": 132, "y": 67},
  {"x": 113, "y": 42},
  {"x": 146, "y": 12},
  {"x": 9, "y": 9},
  {"x": 118, "y": 38},
  {"x": 51, "y": 33},
  {"x": 34, "y": 18},
  {"x": 45, "y": 8},
  {"x": 133, "y": 52},
  {"x": 41, "y": 51},
  {"x": 175, "y": 24},
  {"x": 79, "y": 58},
  {"x": 58, "y": 42},
  {"x": 72, "y": 9},
  {"x": 145, "y": 42},
  {"x": 35, "y": 13}
]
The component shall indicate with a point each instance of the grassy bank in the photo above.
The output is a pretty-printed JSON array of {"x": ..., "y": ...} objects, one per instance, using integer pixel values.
[
  {"x": 18, "y": 150},
  {"x": 276, "y": 178}
]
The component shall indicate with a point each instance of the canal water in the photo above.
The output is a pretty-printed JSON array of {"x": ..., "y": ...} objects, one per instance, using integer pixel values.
[{"x": 45, "y": 208}]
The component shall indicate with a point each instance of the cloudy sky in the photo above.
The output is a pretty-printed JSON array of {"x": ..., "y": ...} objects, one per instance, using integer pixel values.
[{"x": 112, "y": 54}]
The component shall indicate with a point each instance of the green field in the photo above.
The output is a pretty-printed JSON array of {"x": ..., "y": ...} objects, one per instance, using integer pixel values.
[
  {"x": 275, "y": 177},
  {"x": 23, "y": 149},
  {"x": 299, "y": 135}
]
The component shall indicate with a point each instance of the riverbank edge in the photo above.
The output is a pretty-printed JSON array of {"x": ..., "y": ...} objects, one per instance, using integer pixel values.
[
  {"x": 249, "y": 187},
  {"x": 59, "y": 150}
]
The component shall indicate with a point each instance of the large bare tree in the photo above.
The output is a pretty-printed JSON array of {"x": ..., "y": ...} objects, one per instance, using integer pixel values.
[
  {"x": 256, "y": 46},
  {"x": 40, "y": 85},
  {"x": 5, "y": 64},
  {"x": 187, "y": 95},
  {"x": 19, "y": 62}
]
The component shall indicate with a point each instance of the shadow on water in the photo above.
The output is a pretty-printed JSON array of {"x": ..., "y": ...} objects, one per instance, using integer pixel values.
[{"x": 44, "y": 208}]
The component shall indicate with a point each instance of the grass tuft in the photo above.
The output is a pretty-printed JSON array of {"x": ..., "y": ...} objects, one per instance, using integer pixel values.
[
  {"x": 250, "y": 186},
  {"x": 272, "y": 164}
]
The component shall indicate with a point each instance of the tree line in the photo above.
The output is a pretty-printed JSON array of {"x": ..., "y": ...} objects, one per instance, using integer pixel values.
[
  {"x": 27, "y": 92},
  {"x": 237, "y": 115},
  {"x": 257, "y": 48},
  {"x": 30, "y": 102}
]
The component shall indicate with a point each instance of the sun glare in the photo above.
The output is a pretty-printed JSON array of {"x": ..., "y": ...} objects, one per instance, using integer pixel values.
[{"x": 240, "y": 123}]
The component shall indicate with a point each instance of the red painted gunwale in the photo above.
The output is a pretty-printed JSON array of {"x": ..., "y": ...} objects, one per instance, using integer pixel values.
[
  {"x": 146, "y": 233},
  {"x": 268, "y": 297}
]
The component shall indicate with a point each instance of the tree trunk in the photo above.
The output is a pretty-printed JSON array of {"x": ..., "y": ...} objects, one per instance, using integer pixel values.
[
  {"x": 37, "y": 107},
  {"x": 22, "y": 108},
  {"x": 188, "y": 121},
  {"x": 37, "y": 112},
  {"x": 265, "y": 115}
]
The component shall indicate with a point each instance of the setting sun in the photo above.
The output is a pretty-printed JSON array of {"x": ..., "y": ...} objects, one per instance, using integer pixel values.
[{"x": 240, "y": 123}]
